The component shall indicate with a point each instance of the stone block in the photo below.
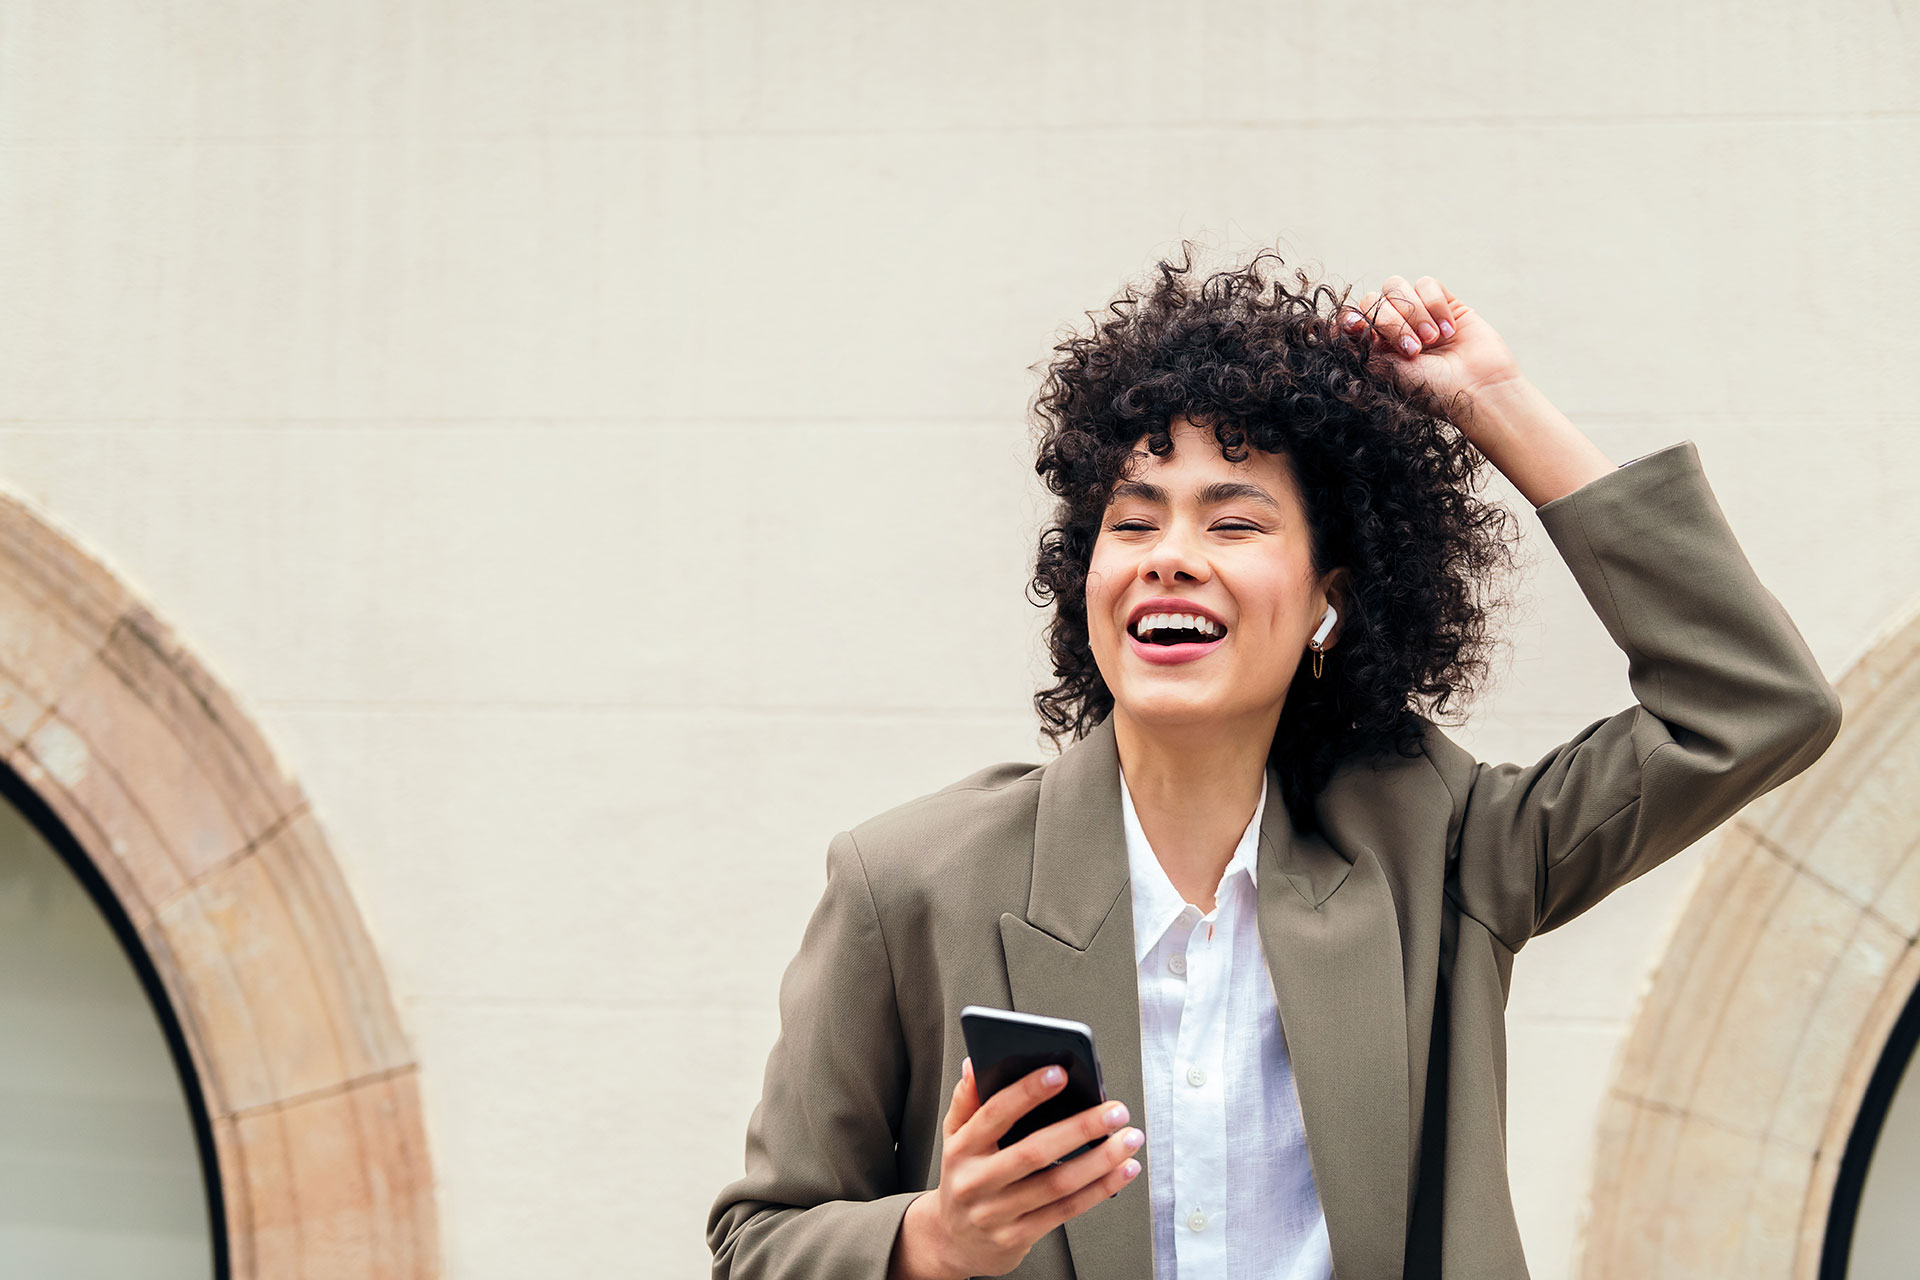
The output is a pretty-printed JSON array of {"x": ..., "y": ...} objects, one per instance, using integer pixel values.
[
  {"x": 1717, "y": 933},
  {"x": 1764, "y": 1013},
  {"x": 248, "y": 970},
  {"x": 1831, "y": 1033},
  {"x": 339, "y": 959},
  {"x": 93, "y": 803}
]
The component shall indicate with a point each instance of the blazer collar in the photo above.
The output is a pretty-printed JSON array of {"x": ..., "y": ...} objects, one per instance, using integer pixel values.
[
  {"x": 1331, "y": 934},
  {"x": 1079, "y": 841}
]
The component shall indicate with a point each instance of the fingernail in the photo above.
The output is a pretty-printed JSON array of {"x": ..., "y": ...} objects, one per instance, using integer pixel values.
[
  {"x": 1117, "y": 1113},
  {"x": 1408, "y": 345},
  {"x": 1427, "y": 332},
  {"x": 1133, "y": 1169},
  {"x": 1054, "y": 1076},
  {"x": 1446, "y": 328},
  {"x": 1133, "y": 1140}
]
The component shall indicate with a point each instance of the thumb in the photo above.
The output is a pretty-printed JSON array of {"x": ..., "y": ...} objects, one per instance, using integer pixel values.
[{"x": 966, "y": 1099}]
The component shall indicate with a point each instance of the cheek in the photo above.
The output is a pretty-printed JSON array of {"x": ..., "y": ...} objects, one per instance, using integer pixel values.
[
  {"x": 1274, "y": 601},
  {"x": 1103, "y": 578},
  {"x": 1099, "y": 608}
]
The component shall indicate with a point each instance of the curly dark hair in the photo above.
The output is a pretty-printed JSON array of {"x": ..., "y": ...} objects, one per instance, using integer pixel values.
[{"x": 1390, "y": 486}]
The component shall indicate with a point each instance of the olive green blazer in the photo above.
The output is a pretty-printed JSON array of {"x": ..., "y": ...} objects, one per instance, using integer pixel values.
[{"x": 1390, "y": 935}]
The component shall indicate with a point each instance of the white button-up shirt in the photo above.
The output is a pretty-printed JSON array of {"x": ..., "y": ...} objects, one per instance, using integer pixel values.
[{"x": 1229, "y": 1181}]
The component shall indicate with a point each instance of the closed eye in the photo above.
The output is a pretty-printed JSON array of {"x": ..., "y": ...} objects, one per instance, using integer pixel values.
[{"x": 1140, "y": 526}]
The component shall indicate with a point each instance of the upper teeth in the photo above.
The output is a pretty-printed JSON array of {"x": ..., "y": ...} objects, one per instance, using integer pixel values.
[{"x": 1177, "y": 621}]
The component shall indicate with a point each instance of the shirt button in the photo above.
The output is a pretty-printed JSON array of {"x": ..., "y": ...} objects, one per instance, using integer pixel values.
[
  {"x": 1196, "y": 1077},
  {"x": 1197, "y": 1221},
  {"x": 1177, "y": 964}
]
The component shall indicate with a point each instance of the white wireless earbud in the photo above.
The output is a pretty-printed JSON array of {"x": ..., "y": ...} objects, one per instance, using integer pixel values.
[{"x": 1326, "y": 627}]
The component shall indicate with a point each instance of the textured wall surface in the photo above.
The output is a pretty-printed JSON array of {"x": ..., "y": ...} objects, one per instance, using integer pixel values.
[{"x": 590, "y": 436}]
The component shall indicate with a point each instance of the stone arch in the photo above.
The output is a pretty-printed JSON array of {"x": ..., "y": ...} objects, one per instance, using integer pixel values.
[
  {"x": 1722, "y": 1136},
  {"x": 211, "y": 853}
]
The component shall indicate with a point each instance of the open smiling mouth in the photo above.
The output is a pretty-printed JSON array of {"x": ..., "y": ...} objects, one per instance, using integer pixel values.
[{"x": 1177, "y": 628}]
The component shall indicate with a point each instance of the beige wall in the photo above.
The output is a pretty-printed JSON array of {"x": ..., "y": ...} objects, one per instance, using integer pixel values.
[{"x": 592, "y": 438}]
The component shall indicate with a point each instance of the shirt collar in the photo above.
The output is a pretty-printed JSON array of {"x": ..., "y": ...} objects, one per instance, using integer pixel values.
[{"x": 1156, "y": 903}]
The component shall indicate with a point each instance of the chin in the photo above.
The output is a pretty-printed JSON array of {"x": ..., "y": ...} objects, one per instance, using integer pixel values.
[{"x": 1175, "y": 709}]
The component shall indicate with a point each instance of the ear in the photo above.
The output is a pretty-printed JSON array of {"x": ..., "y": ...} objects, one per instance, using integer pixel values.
[{"x": 1334, "y": 588}]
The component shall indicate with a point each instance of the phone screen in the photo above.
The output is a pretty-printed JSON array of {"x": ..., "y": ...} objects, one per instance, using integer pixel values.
[{"x": 1006, "y": 1046}]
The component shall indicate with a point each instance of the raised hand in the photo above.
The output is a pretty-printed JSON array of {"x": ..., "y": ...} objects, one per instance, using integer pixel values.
[
  {"x": 1430, "y": 336},
  {"x": 992, "y": 1205},
  {"x": 1424, "y": 334}
]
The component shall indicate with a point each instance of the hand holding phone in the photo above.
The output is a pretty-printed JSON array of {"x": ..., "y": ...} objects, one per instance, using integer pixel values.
[
  {"x": 1003, "y": 1046},
  {"x": 993, "y": 1202}
]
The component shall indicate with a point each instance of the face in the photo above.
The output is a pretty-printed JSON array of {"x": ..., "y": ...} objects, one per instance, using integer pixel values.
[{"x": 1226, "y": 547}]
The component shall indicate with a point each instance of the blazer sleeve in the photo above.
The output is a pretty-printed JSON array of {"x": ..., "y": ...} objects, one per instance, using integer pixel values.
[
  {"x": 821, "y": 1194},
  {"x": 1730, "y": 703}
]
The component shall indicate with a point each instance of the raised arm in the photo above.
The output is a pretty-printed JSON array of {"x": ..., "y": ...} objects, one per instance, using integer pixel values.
[
  {"x": 1730, "y": 703},
  {"x": 1729, "y": 700}
]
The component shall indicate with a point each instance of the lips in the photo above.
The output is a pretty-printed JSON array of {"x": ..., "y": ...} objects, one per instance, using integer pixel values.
[
  {"x": 1168, "y": 630},
  {"x": 1170, "y": 654}
]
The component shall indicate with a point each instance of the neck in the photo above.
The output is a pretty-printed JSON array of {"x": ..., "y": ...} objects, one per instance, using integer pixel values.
[{"x": 1195, "y": 789}]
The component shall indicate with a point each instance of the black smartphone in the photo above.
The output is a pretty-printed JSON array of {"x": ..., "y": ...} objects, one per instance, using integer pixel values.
[{"x": 1005, "y": 1046}]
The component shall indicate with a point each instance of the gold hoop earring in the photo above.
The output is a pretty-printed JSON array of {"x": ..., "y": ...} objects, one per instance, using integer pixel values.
[{"x": 1319, "y": 659}]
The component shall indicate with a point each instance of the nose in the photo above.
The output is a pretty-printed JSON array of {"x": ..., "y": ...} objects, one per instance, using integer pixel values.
[{"x": 1175, "y": 558}]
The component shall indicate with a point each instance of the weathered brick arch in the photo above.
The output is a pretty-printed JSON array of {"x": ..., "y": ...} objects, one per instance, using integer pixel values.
[
  {"x": 1722, "y": 1136},
  {"x": 171, "y": 793}
]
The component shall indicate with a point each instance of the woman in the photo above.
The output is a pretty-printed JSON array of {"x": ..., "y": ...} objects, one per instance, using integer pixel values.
[{"x": 1286, "y": 903}]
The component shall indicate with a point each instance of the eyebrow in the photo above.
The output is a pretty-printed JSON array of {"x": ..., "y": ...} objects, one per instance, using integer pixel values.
[{"x": 1210, "y": 496}]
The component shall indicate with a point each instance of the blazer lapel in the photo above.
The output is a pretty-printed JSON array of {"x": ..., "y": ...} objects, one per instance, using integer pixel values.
[
  {"x": 1332, "y": 941},
  {"x": 1072, "y": 957}
]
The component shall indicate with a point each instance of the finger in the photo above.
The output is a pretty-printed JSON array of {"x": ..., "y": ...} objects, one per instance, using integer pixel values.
[
  {"x": 1439, "y": 308},
  {"x": 997, "y": 1114},
  {"x": 1352, "y": 314},
  {"x": 1369, "y": 312},
  {"x": 1043, "y": 1146},
  {"x": 1388, "y": 325},
  {"x": 1049, "y": 1185},
  {"x": 1043, "y": 1220},
  {"x": 1406, "y": 300},
  {"x": 966, "y": 1100}
]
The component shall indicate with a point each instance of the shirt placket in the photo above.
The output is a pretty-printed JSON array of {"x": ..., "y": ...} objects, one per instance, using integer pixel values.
[{"x": 1199, "y": 1103}]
